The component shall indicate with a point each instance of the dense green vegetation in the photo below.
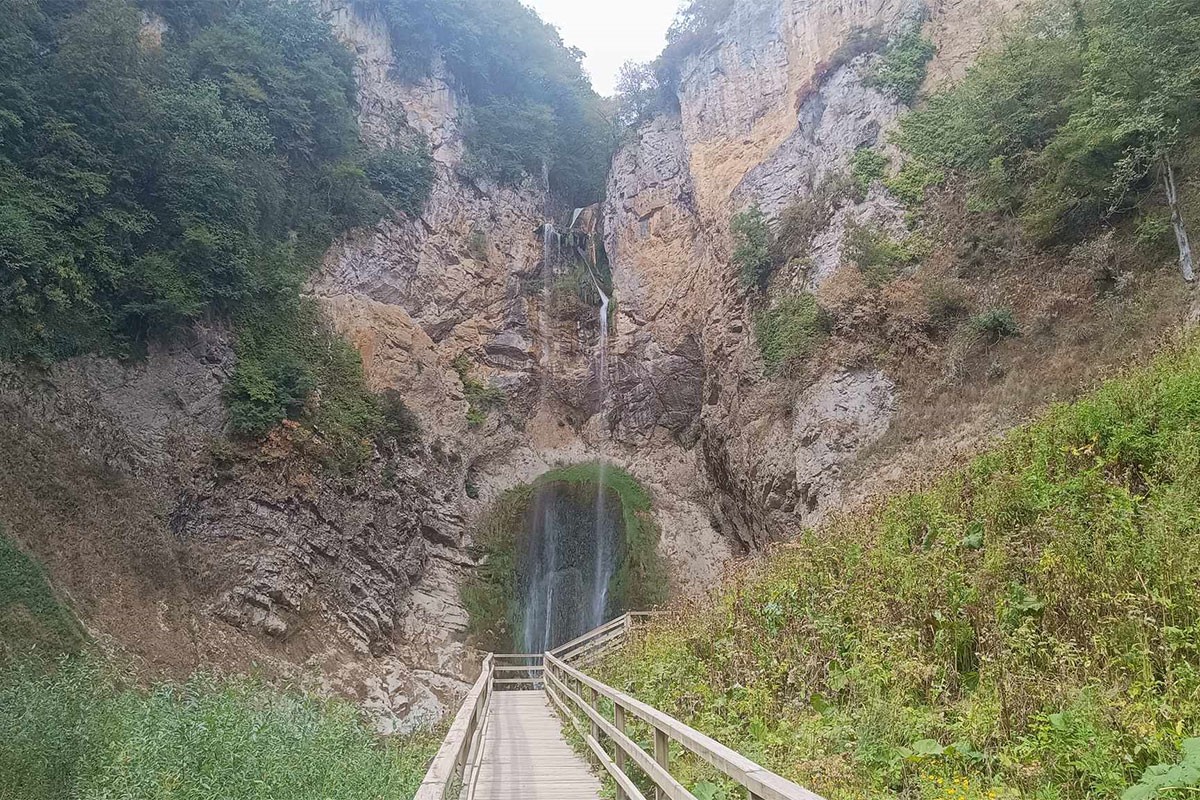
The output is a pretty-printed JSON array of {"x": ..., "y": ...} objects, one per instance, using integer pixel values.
[
  {"x": 71, "y": 726},
  {"x": 1076, "y": 119},
  {"x": 752, "y": 246},
  {"x": 79, "y": 731},
  {"x": 145, "y": 184},
  {"x": 901, "y": 67},
  {"x": 1027, "y": 626},
  {"x": 532, "y": 106},
  {"x": 482, "y": 398},
  {"x": 789, "y": 332},
  {"x": 640, "y": 580}
]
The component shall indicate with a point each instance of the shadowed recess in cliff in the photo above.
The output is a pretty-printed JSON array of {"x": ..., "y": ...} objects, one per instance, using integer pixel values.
[{"x": 561, "y": 555}]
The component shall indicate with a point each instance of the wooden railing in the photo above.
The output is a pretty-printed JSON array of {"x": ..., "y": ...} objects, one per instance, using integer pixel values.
[
  {"x": 458, "y": 757},
  {"x": 578, "y": 697}
]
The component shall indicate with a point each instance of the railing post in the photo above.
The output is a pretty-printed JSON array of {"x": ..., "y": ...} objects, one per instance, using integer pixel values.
[
  {"x": 619, "y": 754},
  {"x": 662, "y": 749},
  {"x": 594, "y": 698}
]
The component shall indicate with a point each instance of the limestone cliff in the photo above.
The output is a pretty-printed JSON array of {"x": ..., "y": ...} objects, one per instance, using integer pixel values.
[{"x": 776, "y": 104}]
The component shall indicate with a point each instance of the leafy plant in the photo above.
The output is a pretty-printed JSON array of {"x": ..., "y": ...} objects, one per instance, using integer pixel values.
[
  {"x": 481, "y": 397},
  {"x": 867, "y": 166},
  {"x": 878, "y": 255},
  {"x": 403, "y": 175},
  {"x": 995, "y": 324},
  {"x": 751, "y": 246},
  {"x": 900, "y": 69},
  {"x": 1075, "y": 118},
  {"x": 790, "y": 332},
  {"x": 1164, "y": 780}
]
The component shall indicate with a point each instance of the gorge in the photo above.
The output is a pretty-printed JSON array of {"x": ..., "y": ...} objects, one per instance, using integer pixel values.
[{"x": 610, "y": 351}]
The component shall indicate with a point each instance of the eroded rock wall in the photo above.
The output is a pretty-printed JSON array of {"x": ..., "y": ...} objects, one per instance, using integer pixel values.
[{"x": 767, "y": 113}]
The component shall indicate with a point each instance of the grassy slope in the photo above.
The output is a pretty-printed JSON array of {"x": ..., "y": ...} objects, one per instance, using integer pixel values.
[
  {"x": 1027, "y": 626},
  {"x": 71, "y": 726}
]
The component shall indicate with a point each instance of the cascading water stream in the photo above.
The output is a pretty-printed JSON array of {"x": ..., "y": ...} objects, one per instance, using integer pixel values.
[{"x": 574, "y": 540}]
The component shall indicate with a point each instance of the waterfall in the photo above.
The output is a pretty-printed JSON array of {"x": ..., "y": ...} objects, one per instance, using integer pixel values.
[{"x": 571, "y": 556}]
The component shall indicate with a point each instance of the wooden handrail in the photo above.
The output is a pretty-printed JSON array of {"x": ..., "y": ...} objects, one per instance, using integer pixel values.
[
  {"x": 455, "y": 768},
  {"x": 454, "y": 763},
  {"x": 761, "y": 784}
]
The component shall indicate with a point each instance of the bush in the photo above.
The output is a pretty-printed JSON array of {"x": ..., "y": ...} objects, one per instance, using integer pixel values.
[
  {"x": 398, "y": 424},
  {"x": 510, "y": 140},
  {"x": 481, "y": 398},
  {"x": 805, "y": 217},
  {"x": 1057, "y": 123},
  {"x": 901, "y": 68},
  {"x": 945, "y": 307},
  {"x": 403, "y": 175},
  {"x": 878, "y": 255},
  {"x": 912, "y": 182},
  {"x": 751, "y": 246},
  {"x": 292, "y": 366},
  {"x": 790, "y": 332},
  {"x": 995, "y": 324},
  {"x": 867, "y": 166}
]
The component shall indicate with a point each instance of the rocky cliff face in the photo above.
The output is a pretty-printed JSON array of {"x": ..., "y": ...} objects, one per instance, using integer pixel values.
[{"x": 768, "y": 112}]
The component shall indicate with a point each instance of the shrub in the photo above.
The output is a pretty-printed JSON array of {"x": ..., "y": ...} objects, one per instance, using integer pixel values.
[
  {"x": 945, "y": 306},
  {"x": 481, "y": 398},
  {"x": 292, "y": 366},
  {"x": 790, "y": 332},
  {"x": 398, "y": 424},
  {"x": 404, "y": 175},
  {"x": 878, "y": 255},
  {"x": 1056, "y": 123},
  {"x": 995, "y": 324},
  {"x": 805, "y": 217},
  {"x": 751, "y": 246},
  {"x": 901, "y": 68},
  {"x": 867, "y": 166},
  {"x": 913, "y": 180}
]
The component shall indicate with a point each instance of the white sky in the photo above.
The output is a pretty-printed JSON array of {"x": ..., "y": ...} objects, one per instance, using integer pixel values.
[{"x": 611, "y": 32}]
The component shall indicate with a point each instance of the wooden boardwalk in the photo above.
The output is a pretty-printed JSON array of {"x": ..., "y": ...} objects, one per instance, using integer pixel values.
[
  {"x": 510, "y": 745},
  {"x": 525, "y": 756}
]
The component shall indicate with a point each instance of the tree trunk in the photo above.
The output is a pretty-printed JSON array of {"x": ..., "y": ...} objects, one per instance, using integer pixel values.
[{"x": 1186, "y": 264}]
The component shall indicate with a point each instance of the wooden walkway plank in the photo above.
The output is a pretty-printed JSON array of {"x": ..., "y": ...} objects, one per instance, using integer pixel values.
[{"x": 525, "y": 756}]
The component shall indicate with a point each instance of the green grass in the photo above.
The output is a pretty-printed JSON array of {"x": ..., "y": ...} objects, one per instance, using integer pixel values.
[
  {"x": 31, "y": 619},
  {"x": 76, "y": 731},
  {"x": 1027, "y": 626}
]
